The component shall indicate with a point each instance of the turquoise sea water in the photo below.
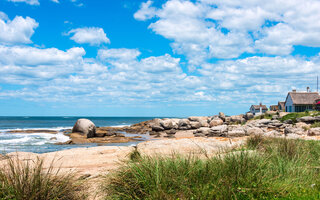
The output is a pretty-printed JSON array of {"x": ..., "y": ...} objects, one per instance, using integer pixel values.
[{"x": 41, "y": 143}]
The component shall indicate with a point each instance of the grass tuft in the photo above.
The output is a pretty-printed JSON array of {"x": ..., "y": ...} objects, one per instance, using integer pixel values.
[
  {"x": 29, "y": 180},
  {"x": 267, "y": 168}
]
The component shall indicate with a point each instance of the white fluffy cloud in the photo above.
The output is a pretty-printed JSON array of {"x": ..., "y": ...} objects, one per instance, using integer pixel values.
[
  {"x": 91, "y": 35},
  {"x": 30, "y": 2},
  {"x": 206, "y": 29},
  {"x": 19, "y": 55},
  {"x": 19, "y": 30}
]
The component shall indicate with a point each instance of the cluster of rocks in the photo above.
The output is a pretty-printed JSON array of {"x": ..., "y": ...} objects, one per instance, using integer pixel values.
[{"x": 236, "y": 126}]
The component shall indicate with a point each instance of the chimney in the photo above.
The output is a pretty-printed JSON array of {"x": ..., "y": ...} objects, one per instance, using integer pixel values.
[{"x": 294, "y": 90}]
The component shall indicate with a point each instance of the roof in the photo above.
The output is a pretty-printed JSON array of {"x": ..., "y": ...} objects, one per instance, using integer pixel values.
[
  {"x": 303, "y": 98},
  {"x": 281, "y": 103},
  {"x": 257, "y": 107}
]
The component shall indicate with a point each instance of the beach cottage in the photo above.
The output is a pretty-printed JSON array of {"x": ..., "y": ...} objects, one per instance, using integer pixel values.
[
  {"x": 258, "y": 109},
  {"x": 300, "y": 101}
]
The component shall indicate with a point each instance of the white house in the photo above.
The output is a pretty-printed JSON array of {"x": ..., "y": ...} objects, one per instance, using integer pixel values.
[
  {"x": 300, "y": 101},
  {"x": 258, "y": 109}
]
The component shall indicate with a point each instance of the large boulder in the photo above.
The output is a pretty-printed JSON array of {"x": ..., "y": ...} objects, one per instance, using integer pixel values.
[
  {"x": 184, "y": 124},
  {"x": 248, "y": 116},
  {"x": 167, "y": 124},
  {"x": 203, "y": 131},
  {"x": 236, "y": 131},
  {"x": 296, "y": 131},
  {"x": 238, "y": 119},
  {"x": 307, "y": 119},
  {"x": 156, "y": 125},
  {"x": 195, "y": 125},
  {"x": 219, "y": 130},
  {"x": 216, "y": 122},
  {"x": 85, "y": 127},
  {"x": 254, "y": 131},
  {"x": 222, "y": 116},
  {"x": 202, "y": 120},
  {"x": 314, "y": 131}
]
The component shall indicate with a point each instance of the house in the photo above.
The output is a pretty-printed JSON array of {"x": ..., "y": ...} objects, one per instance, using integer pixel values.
[
  {"x": 274, "y": 108},
  {"x": 300, "y": 101},
  {"x": 258, "y": 109},
  {"x": 281, "y": 105}
]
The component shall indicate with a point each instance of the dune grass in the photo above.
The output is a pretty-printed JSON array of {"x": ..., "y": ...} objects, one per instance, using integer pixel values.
[
  {"x": 266, "y": 168},
  {"x": 296, "y": 115},
  {"x": 29, "y": 180}
]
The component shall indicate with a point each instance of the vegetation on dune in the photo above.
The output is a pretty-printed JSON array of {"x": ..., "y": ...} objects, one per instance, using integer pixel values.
[
  {"x": 295, "y": 116},
  {"x": 266, "y": 168},
  {"x": 28, "y": 180}
]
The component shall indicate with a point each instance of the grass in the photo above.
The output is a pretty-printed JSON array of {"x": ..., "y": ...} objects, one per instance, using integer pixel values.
[
  {"x": 295, "y": 116},
  {"x": 29, "y": 180},
  {"x": 315, "y": 125},
  {"x": 265, "y": 168}
]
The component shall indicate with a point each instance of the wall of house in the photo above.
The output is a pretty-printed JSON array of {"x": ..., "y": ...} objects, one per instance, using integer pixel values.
[{"x": 289, "y": 105}]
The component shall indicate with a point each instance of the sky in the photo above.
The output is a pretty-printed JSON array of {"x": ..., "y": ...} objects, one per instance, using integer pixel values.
[{"x": 154, "y": 58}]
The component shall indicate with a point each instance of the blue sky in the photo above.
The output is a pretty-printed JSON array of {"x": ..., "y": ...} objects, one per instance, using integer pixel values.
[{"x": 154, "y": 58}]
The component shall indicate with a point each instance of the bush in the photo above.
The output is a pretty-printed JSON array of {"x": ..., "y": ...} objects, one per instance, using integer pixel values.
[
  {"x": 275, "y": 169},
  {"x": 29, "y": 180}
]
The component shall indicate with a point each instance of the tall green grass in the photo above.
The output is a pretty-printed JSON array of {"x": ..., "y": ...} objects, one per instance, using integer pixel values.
[
  {"x": 265, "y": 168},
  {"x": 29, "y": 180}
]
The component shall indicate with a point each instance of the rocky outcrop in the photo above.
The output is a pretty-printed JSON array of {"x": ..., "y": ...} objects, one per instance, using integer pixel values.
[
  {"x": 216, "y": 122},
  {"x": 85, "y": 127}
]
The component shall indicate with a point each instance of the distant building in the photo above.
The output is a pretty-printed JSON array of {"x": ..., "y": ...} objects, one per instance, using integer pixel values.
[
  {"x": 274, "y": 108},
  {"x": 281, "y": 106},
  {"x": 300, "y": 101},
  {"x": 258, "y": 109}
]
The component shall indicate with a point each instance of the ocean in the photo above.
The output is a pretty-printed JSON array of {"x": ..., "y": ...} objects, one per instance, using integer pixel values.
[{"x": 42, "y": 142}]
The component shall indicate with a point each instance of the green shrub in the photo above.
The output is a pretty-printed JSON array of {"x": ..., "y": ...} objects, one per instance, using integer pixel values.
[
  {"x": 315, "y": 125},
  {"x": 275, "y": 169},
  {"x": 28, "y": 180}
]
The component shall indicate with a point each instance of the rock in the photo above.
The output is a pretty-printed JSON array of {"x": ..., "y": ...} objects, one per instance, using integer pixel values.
[
  {"x": 227, "y": 120},
  {"x": 216, "y": 122},
  {"x": 297, "y": 131},
  {"x": 119, "y": 135},
  {"x": 203, "y": 131},
  {"x": 288, "y": 121},
  {"x": 236, "y": 131},
  {"x": 53, "y": 138},
  {"x": 222, "y": 116},
  {"x": 195, "y": 125},
  {"x": 302, "y": 125},
  {"x": 167, "y": 124},
  {"x": 273, "y": 133},
  {"x": 202, "y": 120},
  {"x": 255, "y": 131},
  {"x": 171, "y": 132},
  {"x": 86, "y": 127},
  {"x": 219, "y": 130},
  {"x": 314, "y": 131},
  {"x": 156, "y": 126},
  {"x": 238, "y": 119},
  {"x": 249, "y": 116},
  {"x": 307, "y": 119},
  {"x": 184, "y": 124}
]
